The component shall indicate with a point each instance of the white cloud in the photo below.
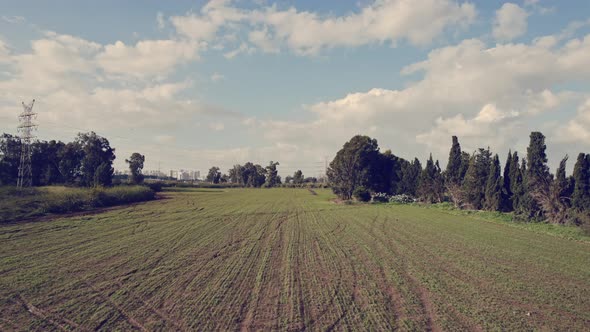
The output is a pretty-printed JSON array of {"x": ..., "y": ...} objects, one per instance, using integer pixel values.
[
  {"x": 487, "y": 95},
  {"x": 217, "y": 126},
  {"x": 577, "y": 130},
  {"x": 4, "y": 52},
  {"x": 510, "y": 22},
  {"x": 165, "y": 139},
  {"x": 13, "y": 19},
  {"x": 160, "y": 21},
  {"x": 307, "y": 33},
  {"x": 490, "y": 126},
  {"x": 147, "y": 57}
]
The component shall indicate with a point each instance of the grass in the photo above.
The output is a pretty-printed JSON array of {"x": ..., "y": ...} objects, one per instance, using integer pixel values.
[
  {"x": 285, "y": 259},
  {"x": 17, "y": 204}
]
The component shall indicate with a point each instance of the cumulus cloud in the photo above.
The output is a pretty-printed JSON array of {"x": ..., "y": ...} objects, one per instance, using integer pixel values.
[
  {"x": 13, "y": 19},
  {"x": 510, "y": 22},
  {"x": 307, "y": 33},
  {"x": 217, "y": 126},
  {"x": 147, "y": 57},
  {"x": 487, "y": 95},
  {"x": 576, "y": 130}
]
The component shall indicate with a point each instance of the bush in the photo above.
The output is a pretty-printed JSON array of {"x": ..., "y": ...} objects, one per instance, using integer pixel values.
[
  {"x": 155, "y": 186},
  {"x": 380, "y": 198},
  {"x": 361, "y": 194},
  {"x": 402, "y": 199},
  {"x": 83, "y": 199}
]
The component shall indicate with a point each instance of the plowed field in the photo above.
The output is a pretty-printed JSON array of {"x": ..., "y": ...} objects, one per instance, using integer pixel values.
[{"x": 286, "y": 259}]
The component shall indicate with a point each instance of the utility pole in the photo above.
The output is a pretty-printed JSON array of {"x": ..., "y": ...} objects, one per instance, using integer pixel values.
[{"x": 26, "y": 128}]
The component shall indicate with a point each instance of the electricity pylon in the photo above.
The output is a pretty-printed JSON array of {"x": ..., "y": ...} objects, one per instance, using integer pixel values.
[{"x": 26, "y": 128}]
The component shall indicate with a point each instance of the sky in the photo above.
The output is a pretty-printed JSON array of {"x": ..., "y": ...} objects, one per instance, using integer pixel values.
[{"x": 195, "y": 84}]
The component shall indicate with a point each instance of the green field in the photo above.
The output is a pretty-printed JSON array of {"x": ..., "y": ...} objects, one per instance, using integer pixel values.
[{"x": 287, "y": 259}]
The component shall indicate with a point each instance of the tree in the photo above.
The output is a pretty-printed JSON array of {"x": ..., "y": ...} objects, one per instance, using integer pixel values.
[
  {"x": 493, "y": 193},
  {"x": 352, "y": 166},
  {"x": 538, "y": 177},
  {"x": 272, "y": 175},
  {"x": 552, "y": 199},
  {"x": 581, "y": 192},
  {"x": 235, "y": 174},
  {"x": 298, "y": 177},
  {"x": 517, "y": 182},
  {"x": 507, "y": 184},
  {"x": 10, "y": 149},
  {"x": 476, "y": 178},
  {"x": 135, "y": 167},
  {"x": 410, "y": 177},
  {"x": 453, "y": 172},
  {"x": 70, "y": 163},
  {"x": 45, "y": 162},
  {"x": 214, "y": 175},
  {"x": 430, "y": 187},
  {"x": 96, "y": 150}
]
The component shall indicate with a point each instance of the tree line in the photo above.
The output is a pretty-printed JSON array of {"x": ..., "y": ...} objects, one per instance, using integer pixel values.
[
  {"x": 87, "y": 161},
  {"x": 475, "y": 180},
  {"x": 247, "y": 175},
  {"x": 255, "y": 176}
]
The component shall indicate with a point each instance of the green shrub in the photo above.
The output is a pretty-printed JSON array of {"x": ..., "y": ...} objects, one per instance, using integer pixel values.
[
  {"x": 361, "y": 194},
  {"x": 155, "y": 186},
  {"x": 74, "y": 200}
]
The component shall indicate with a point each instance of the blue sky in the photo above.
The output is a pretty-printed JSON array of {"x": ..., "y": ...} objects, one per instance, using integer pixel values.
[{"x": 193, "y": 84}]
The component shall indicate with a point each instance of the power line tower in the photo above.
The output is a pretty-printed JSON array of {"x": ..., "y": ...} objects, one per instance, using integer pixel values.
[{"x": 26, "y": 128}]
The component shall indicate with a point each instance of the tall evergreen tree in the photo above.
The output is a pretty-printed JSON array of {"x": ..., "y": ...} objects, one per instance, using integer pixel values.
[
  {"x": 453, "y": 172},
  {"x": 538, "y": 177},
  {"x": 581, "y": 192},
  {"x": 410, "y": 177},
  {"x": 507, "y": 184},
  {"x": 474, "y": 184},
  {"x": 429, "y": 189},
  {"x": 493, "y": 193},
  {"x": 516, "y": 182},
  {"x": 538, "y": 173}
]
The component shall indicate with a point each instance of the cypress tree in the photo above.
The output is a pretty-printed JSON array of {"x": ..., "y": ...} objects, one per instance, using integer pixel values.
[
  {"x": 538, "y": 172},
  {"x": 538, "y": 176},
  {"x": 478, "y": 172},
  {"x": 430, "y": 188},
  {"x": 581, "y": 194},
  {"x": 516, "y": 182},
  {"x": 493, "y": 193},
  {"x": 453, "y": 172},
  {"x": 464, "y": 164},
  {"x": 507, "y": 185},
  {"x": 438, "y": 183},
  {"x": 470, "y": 188}
]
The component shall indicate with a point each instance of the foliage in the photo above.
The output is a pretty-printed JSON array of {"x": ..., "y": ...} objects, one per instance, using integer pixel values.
[
  {"x": 380, "y": 198},
  {"x": 361, "y": 194},
  {"x": 581, "y": 177},
  {"x": 135, "y": 167},
  {"x": 353, "y": 166},
  {"x": 214, "y": 175},
  {"x": 298, "y": 177},
  {"x": 272, "y": 175},
  {"x": 493, "y": 193},
  {"x": 34, "y": 202},
  {"x": 431, "y": 183},
  {"x": 402, "y": 199}
]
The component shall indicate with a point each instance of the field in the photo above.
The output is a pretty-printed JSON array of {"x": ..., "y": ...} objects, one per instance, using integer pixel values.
[{"x": 287, "y": 259}]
